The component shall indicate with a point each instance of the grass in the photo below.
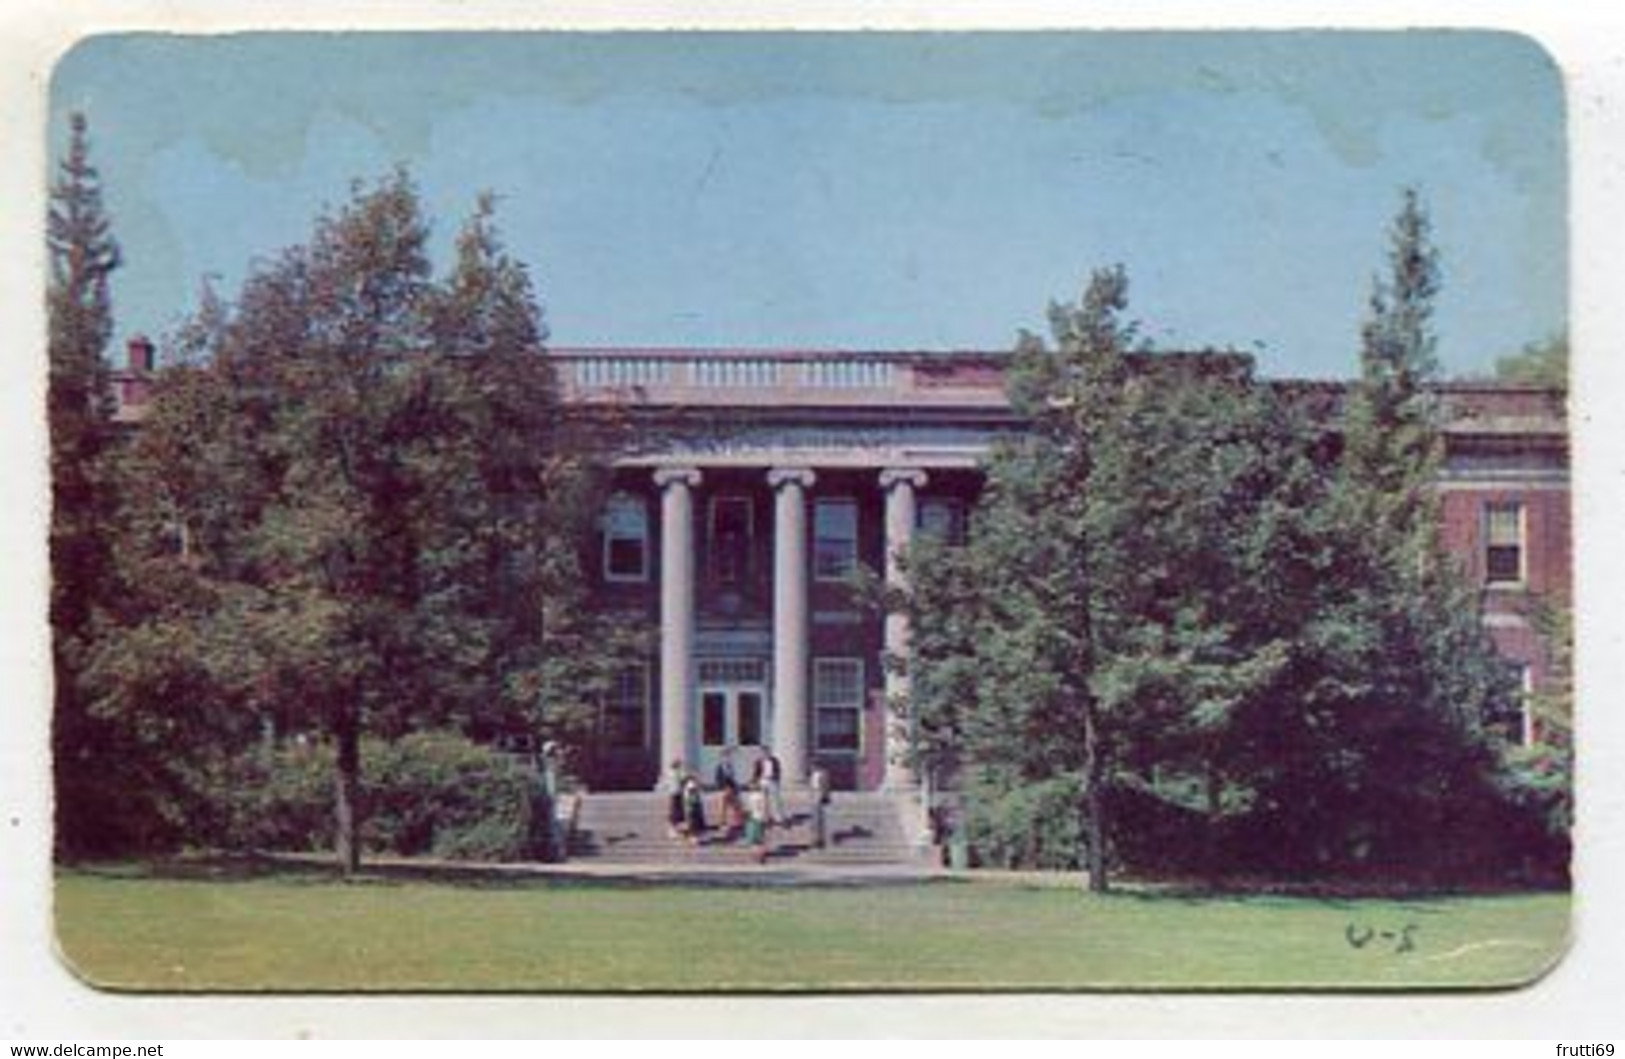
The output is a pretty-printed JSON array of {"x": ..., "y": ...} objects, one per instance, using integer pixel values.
[{"x": 286, "y": 929}]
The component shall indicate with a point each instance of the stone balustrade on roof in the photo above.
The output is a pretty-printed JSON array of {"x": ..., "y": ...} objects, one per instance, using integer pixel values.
[
  {"x": 959, "y": 381},
  {"x": 742, "y": 378},
  {"x": 962, "y": 380}
]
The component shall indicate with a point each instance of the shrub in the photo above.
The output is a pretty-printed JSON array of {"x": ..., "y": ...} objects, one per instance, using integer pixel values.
[
  {"x": 430, "y": 793},
  {"x": 1031, "y": 826},
  {"x": 438, "y": 793}
]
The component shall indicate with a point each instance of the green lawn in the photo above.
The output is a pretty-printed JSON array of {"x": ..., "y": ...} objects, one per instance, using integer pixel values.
[{"x": 303, "y": 930}]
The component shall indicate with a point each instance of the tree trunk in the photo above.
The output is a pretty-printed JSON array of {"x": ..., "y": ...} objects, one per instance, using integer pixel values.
[
  {"x": 1210, "y": 855},
  {"x": 1094, "y": 807},
  {"x": 346, "y": 800}
]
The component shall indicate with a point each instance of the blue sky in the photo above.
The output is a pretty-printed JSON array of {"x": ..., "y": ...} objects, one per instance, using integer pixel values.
[{"x": 917, "y": 191}]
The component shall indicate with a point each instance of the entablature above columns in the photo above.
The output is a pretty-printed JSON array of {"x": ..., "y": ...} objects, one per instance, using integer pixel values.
[{"x": 922, "y": 460}]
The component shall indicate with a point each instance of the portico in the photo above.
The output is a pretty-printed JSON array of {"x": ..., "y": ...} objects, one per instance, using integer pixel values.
[
  {"x": 734, "y": 534},
  {"x": 767, "y": 479},
  {"x": 741, "y": 676}
]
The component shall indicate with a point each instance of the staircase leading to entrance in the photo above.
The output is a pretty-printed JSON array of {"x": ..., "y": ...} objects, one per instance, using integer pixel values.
[{"x": 863, "y": 829}]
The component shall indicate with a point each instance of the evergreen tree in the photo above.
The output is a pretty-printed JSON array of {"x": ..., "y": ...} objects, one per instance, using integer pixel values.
[
  {"x": 1385, "y": 744},
  {"x": 1183, "y": 601},
  {"x": 83, "y": 256},
  {"x": 1392, "y": 447},
  {"x": 1101, "y": 631}
]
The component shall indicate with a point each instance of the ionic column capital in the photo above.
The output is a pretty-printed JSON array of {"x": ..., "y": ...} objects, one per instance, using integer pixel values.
[
  {"x": 782, "y": 476},
  {"x": 665, "y": 476},
  {"x": 913, "y": 477}
]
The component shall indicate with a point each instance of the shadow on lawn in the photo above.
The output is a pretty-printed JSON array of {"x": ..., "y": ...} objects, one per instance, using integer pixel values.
[
  {"x": 311, "y": 870},
  {"x": 303, "y": 870},
  {"x": 1327, "y": 894}
]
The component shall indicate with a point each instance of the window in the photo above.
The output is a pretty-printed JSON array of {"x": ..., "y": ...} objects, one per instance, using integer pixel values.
[
  {"x": 835, "y": 539},
  {"x": 731, "y": 537},
  {"x": 732, "y": 671},
  {"x": 943, "y": 520},
  {"x": 750, "y": 718},
  {"x": 626, "y": 539},
  {"x": 837, "y": 704},
  {"x": 626, "y": 709},
  {"x": 1512, "y": 716},
  {"x": 175, "y": 539},
  {"x": 714, "y": 718},
  {"x": 1503, "y": 543},
  {"x": 1525, "y": 676}
]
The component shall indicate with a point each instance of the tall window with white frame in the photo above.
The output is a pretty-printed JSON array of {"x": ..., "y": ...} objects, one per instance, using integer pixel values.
[
  {"x": 1505, "y": 553},
  {"x": 837, "y": 705},
  {"x": 626, "y": 709},
  {"x": 835, "y": 538},
  {"x": 626, "y": 538}
]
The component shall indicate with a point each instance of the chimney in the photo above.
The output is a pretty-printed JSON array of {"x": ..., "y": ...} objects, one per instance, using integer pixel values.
[{"x": 141, "y": 355}]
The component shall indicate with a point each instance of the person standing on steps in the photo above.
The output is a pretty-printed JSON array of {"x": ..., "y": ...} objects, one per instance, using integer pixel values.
[
  {"x": 694, "y": 826},
  {"x": 676, "y": 817},
  {"x": 730, "y": 814},
  {"x": 770, "y": 778},
  {"x": 820, "y": 806},
  {"x": 756, "y": 812}
]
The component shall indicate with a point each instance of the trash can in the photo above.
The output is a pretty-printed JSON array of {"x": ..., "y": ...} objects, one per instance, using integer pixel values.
[{"x": 958, "y": 854}]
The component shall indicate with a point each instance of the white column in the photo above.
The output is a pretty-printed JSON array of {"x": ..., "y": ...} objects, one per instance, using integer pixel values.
[
  {"x": 676, "y": 617},
  {"x": 899, "y": 485},
  {"x": 790, "y": 633}
]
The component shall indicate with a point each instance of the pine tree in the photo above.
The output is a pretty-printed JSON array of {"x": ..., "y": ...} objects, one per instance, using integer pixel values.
[
  {"x": 1392, "y": 447},
  {"x": 1388, "y": 741},
  {"x": 83, "y": 257}
]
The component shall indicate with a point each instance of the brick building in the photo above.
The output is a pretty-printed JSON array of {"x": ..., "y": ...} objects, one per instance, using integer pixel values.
[{"x": 776, "y": 473}]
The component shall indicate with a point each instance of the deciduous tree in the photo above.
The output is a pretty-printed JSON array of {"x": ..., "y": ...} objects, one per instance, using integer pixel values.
[
  {"x": 1543, "y": 363},
  {"x": 1181, "y": 590},
  {"x": 1100, "y": 631},
  {"x": 378, "y": 497}
]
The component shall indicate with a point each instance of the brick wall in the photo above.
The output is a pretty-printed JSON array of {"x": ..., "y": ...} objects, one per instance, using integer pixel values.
[
  {"x": 1547, "y": 559},
  {"x": 1510, "y": 609}
]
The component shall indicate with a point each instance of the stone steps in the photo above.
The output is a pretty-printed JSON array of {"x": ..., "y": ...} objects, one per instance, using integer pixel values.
[{"x": 630, "y": 828}]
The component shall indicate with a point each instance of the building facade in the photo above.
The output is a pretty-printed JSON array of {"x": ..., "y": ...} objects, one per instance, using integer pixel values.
[
  {"x": 776, "y": 474},
  {"x": 773, "y": 475}
]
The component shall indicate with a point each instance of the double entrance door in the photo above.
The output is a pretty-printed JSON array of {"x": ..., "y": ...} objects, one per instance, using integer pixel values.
[{"x": 734, "y": 715}]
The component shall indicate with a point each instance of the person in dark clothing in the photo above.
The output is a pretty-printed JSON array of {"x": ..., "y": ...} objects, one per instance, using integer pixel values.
[
  {"x": 731, "y": 814},
  {"x": 694, "y": 825}
]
